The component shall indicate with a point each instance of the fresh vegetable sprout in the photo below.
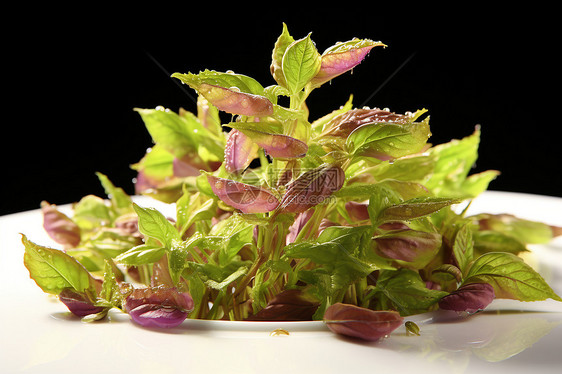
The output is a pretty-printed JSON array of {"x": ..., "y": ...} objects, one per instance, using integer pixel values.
[{"x": 348, "y": 218}]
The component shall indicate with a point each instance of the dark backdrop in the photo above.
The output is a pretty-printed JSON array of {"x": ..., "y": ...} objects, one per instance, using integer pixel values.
[{"x": 79, "y": 77}]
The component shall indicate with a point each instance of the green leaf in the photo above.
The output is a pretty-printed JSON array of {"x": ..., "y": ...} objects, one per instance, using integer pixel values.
[
  {"x": 119, "y": 199},
  {"x": 233, "y": 233},
  {"x": 228, "y": 280},
  {"x": 510, "y": 276},
  {"x": 345, "y": 254},
  {"x": 229, "y": 80},
  {"x": 193, "y": 207},
  {"x": 415, "y": 168},
  {"x": 54, "y": 270},
  {"x": 495, "y": 241},
  {"x": 524, "y": 230},
  {"x": 154, "y": 225},
  {"x": 301, "y": 62},
  {"x": 91, "y": 212},
  {"x": 219, "y": 277},
  {"x": 182, "y": 135},
  {"x": 141, "y": 255},
  {"x": 406, "y": 292},
  {"x": 463, "y": 247},
  {"x": 110, "y": 293},
  {"x": 454, "y": 160},
  {"x": 396, "y": 188},
  {"x": 281, "y": 45},
  {"x": 387, "y": 140},
  {"x": 415, "y": 208},
  {"x": 158, "y": 163}
]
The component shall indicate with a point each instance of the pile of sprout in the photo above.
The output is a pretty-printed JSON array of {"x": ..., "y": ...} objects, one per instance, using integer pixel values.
[{"x": 351, "y": 218}]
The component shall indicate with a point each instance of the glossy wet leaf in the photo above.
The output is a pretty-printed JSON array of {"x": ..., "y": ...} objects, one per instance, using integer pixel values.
[
  {"x": 469, "y": 298},
  {"x": 342, "y": 57},
  {"x": 141, "y": 255},
  {"x": 301, "y": 62},
  {"x": 311, "y": 188},
  {"x": 54, "y": 271},
  {"x": 78, "y": 303},
  {"x": 362, "y": 323},
  {"x": 229, "y": 92},
  {"x": 277, "y": 145},
  {"x": 387, "y": 140},
  {"x": 344, "y": 124},
  {"x": 239, "y": 152},
  {"x": 161, "y": 307},
  {"x": 510, "y": 276},
  {"x": 242, "y": 196},
  {"x": 153, "y": 224},
  {"x": 183, "y": 136}
]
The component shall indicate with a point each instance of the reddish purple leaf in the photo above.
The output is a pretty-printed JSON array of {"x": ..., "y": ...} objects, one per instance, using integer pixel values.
[
  {"x": 236, "y": 102},
  {"x": 289, "y": 305},
  {"x": 469, "y": 298},
  {"x": 298, "y": 225},
  {"x": 366, "y": 324},
  {"x": 184, "y": 169},
  {"x": 78, "y": 303},
  {"x": 59, "y": 226},
  {"x": 324, "y": 224},
  {"x": 158, "y": 306},
  {"x": 312, "y": 187},
  {"x": 416, "y": 248},
  {"x": 242, "y": 196},
  {"x": 344, "y": 124},
  {"x": 357, "y": 211},
  {"x": 239, "y": 151},
  {"x": 342, "y": 58},
  {"x": 278, "y": 145}
]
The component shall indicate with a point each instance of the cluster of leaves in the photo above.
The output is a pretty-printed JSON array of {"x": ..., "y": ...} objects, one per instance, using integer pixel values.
[{"x": 348, "y": 218}]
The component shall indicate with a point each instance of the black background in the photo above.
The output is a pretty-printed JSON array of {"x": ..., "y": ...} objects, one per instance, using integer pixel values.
[{"x": 76, "y": 76}]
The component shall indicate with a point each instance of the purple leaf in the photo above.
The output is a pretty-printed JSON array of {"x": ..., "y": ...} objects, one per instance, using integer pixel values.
[
  {"x": 344, "y": 124},
  {"x": 59, "y": 226},
  {"x": 78, "y": 303},
  {"x": 415, "y": 248},
  {"x": 278, "y": 145},
  {"x": 341, "y": 58},
  {"x": 184, "y": 169},
  {"x": 362, "y": 323},
  {"x": 357, "y": 211},
  {"x": 236, "y": 102},
  {"x": 312, "y": 187},
  {"x": 324, "y": 224},
  {"x": 289, "y": 305},
  {"x": 245, "y": 197},
  {"x": 161, "y": 307},
  {"x": 469, "y": 298},
  {"x": 298, "y": 225},
  {"x": 239, "y": 151}
]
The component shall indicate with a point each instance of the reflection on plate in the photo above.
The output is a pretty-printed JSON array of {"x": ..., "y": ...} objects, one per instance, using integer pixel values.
[{"x": 38, "y": 335}]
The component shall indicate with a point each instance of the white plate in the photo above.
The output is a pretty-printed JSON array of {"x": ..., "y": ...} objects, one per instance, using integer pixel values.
[{"x": 37, "y": 335}]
